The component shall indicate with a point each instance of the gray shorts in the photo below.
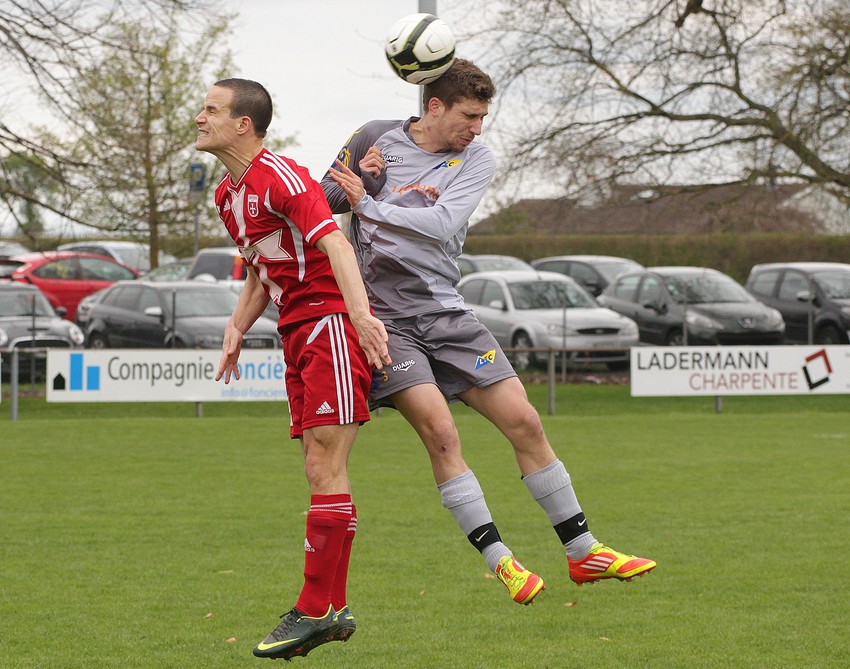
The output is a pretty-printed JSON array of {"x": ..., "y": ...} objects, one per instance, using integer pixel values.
[{"x": 451, "y": 350}]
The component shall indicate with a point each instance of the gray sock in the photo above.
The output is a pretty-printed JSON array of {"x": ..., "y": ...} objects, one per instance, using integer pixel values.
[
  {"x": 552, "y": 489},
  {"x": 463, "y": 497}
]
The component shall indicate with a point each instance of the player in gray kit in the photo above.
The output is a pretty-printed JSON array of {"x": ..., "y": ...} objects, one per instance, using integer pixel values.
[{"x": 411, "y": 186}]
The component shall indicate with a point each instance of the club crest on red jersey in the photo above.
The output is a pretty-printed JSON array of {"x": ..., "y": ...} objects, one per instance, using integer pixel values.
[{"x": 253, "y": 205}]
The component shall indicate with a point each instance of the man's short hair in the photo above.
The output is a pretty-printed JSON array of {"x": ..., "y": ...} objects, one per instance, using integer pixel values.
[
  {"x": 463, "y": 80},
  {"x": 252, "y": 100}
]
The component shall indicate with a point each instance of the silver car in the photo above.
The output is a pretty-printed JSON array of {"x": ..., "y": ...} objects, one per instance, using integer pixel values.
[{"x": 546, "y": 310}]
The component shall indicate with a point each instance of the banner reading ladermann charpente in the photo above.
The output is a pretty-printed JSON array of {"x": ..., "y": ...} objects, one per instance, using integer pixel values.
[
  {"x": 739, "y": 370},
  {"x": 161, "y": 375}
]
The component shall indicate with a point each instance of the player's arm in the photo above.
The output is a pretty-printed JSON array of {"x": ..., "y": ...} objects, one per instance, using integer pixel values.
[
  {"x": 439, "y": 223},
  {"x": 371, "y": 331},
  {"x": 252, "y": 302},
  {"x": 364, "y": 159}
]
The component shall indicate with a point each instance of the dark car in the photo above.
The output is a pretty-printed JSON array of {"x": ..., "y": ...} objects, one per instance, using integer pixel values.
[
  {"x": 692, "y": 305},
  {"x": 813, "y": 298},
  {"x": 28, "y": 321},
  {"x": 66, "y": 277},
  {"x": 594, "y": 273},
  {"x": 160, "y": 314},
  {"x": 469, "y": 263}
]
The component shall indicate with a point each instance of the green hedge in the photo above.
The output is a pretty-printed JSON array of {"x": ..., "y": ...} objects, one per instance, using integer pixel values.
[{"x": 732, "y": 253}]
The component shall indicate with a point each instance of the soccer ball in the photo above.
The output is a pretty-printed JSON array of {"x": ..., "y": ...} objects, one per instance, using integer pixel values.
[{"x": 420, "y": 47}]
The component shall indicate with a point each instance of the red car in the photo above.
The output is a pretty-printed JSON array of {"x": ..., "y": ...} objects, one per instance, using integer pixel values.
[{"x": 66, "y": 277}]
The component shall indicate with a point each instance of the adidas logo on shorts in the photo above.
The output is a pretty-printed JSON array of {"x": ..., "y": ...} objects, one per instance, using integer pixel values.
[{"x": 324, "y": 409}]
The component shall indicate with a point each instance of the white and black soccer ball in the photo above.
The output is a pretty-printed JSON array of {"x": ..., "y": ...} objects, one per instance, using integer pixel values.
[{"x": 420, "y": 47}]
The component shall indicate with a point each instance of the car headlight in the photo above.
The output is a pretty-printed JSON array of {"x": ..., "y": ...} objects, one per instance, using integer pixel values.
[
  {"x": 775, "y": 320},
  {"x": 557, "y": 330},
  {"x": 700, "y": 321},
  {"x": 4, "y": 338},
  {"x": 629, "y": 327},
  {"x": 76, "y": 335}
]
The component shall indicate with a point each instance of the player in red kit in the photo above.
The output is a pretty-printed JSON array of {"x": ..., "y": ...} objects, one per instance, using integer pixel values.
[{"x": 281, "y": 222}]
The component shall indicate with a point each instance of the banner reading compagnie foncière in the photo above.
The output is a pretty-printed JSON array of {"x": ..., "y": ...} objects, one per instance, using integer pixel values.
[
  {"x": 161, "y": 375},
  {"x": 739, "y": 370}
]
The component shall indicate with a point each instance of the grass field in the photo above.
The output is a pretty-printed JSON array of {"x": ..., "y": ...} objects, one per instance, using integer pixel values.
[{"x": 139, "y": 536}]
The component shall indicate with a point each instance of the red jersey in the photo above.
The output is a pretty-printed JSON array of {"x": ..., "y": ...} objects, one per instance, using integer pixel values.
[{"x": 276, "y": 213}]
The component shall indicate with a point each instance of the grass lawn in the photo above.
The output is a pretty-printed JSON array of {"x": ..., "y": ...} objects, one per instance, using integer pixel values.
[{"x": 142, "y": 536}]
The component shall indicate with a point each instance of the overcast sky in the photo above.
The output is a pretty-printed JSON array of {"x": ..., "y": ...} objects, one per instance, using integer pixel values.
[{"x": 323, "y": 63}]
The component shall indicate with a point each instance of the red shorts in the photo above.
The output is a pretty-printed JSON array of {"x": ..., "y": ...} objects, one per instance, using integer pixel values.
[{"x": 327, "y": 374}]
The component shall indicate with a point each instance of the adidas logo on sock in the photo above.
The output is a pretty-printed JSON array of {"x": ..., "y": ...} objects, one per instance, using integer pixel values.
[
  {"x": 308, "y": 547},
  {"x": 325, "y": 408}
]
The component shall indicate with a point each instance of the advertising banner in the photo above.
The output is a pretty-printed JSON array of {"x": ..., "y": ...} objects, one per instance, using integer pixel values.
[
  {"x": 161, "y": 375},
  {"x": 661, "y": 371}
]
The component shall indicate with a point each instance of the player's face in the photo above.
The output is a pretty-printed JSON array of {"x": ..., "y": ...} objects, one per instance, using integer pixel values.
[
  {"x": 216, "y": 128},
  {"x": 461, "y": 123}
]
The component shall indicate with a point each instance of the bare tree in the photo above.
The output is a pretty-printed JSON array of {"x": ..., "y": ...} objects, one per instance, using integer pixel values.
[
  {"x": 131, "y": 141},
  {"x": 672, "y": 91},
  {"x": 46, "y": 43}
]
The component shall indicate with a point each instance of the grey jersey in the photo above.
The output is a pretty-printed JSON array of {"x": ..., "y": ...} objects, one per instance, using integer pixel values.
[{"x": 408, "y": 229}]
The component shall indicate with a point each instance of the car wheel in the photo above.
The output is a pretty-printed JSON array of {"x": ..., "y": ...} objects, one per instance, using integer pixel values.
[
  {"x": 98, "y": 340},
  {"x": 523, "y": 359},
  {"x": 828, "y": 335},
  {"x": 674, "y": 338}
]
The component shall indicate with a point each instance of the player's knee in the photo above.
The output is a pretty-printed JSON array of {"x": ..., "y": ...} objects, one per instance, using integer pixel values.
[{"x": 441, "y": 438}]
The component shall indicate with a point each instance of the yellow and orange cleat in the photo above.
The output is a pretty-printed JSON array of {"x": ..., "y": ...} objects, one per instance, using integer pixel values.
[{"x": 603, "y": 562}]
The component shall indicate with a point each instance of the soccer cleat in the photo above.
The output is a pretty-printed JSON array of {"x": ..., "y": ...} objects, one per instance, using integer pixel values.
[
  {"x": 345, "y": 625},
  {"x": 603, "y": 562},
  {"x": 298, "y": 634},
  {"x": 523, "y": 585}
]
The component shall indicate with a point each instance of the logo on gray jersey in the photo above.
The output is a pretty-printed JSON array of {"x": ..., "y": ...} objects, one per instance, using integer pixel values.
[{"x": 393, "y": 159}]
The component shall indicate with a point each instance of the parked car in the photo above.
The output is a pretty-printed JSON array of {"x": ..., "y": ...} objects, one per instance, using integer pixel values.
[
  {"x": 225, "y": 265},
  {"x": 10, "y": 249},
  {"x": 28, "y": 321},
  {"x": 531, "y": 309},
  {"x": 178, "y": 314},
  {"x": 594, "y": 273},
  {"x": 813, "y": 298},
  {"x": 221, "y": 263},
  {"x": 469, "y": 263},
  {"x": 171, "y": 271},
  {"x": 692, "y": 305},
  {"x": 133, "y": 254},
  {"x": 66, "y": 277}
]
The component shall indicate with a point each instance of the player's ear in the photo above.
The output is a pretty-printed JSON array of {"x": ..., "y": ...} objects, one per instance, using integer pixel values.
[
  {"x": 245, "y": 125},
  {"x": 435, "y": 105}
]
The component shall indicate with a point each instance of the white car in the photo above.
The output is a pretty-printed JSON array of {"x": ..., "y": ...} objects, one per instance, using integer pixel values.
[{"x": 542, "y": 310}]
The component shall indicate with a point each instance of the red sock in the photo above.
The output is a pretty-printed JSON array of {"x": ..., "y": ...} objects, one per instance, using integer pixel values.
[
  {"x": 327, "y": 524},
  {"x": 338, "y": 598}
]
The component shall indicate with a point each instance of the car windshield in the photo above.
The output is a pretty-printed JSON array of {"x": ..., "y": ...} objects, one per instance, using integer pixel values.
[
  {"x": 21, "y": 303},
  {"x": 835, "y": 283},
  {"x": 705, "y": 288},
  {"x": 549, "y": 295},
  {"x": 205, "y": 302}
]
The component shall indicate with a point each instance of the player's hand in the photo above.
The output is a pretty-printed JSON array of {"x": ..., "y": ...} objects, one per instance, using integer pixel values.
[
  {"x": 351, "y": 184},
  {"x": 230, "y": 349},
  {"x": 373, "y": 340},
  {"x": 373, "y": 162}
]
